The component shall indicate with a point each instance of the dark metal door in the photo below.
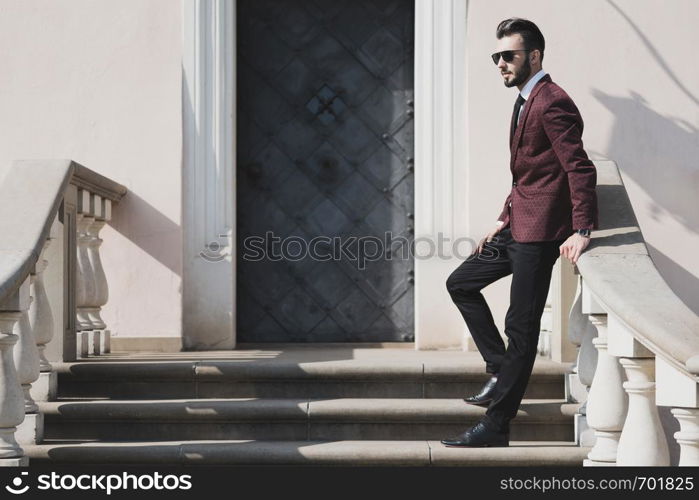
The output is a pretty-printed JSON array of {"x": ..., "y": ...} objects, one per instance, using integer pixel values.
[{"x": 325, "y": 149}]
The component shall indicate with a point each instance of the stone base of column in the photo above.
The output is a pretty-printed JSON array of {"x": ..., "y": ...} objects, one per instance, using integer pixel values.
[
  {"x": 31, "y": 430},
  {"x": 83, "y": 343},
  {"x": 544, "y": 345},
  {"x": 688, "y": 435},
  {"x": 106, "y": 341},
  {"x": 605, "y": 448},
  {"x": 46, "y": 387},
  {"x": 96, "y": 343},
  {"x": 14, "y": 462},
  {"x": 584, "y": 435},
  {"x": 575, "y": 391}
]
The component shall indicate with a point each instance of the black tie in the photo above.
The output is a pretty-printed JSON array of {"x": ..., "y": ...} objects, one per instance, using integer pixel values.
[{"x": 515, "y": 115}]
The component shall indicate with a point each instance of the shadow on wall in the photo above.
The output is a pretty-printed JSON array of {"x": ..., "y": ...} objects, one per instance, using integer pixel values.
[
  {"x": 687, "y": 283},
  {"x": 660, "y": 155},
  {"x": 150, "y": 230},
  {"x": 655, "y": 53}
]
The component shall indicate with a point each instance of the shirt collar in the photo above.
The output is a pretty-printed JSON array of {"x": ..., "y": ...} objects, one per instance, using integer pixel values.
[{"x": 527, "y": 90}]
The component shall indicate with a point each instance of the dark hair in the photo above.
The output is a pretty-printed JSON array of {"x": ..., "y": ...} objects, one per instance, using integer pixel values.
[{"x": 530, "y": 33}]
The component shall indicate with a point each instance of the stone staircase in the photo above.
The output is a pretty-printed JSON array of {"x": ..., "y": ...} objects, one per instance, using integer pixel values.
[{"x": 295, "y": 405}]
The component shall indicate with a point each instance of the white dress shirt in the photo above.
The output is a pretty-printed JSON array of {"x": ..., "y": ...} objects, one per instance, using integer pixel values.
[{"x": 527, "y": 89}]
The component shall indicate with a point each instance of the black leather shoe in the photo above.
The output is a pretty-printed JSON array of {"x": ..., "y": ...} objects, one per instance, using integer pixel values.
[
  {"x": 479, "y": 436},
  {"x": 484, "y": 397}
]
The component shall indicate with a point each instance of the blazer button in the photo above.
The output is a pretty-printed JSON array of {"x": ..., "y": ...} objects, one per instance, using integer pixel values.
[{"x": 514, "y": 184}]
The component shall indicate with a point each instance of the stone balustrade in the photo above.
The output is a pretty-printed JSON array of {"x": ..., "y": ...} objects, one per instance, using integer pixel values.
[
  {"x": 646, "y": 340},
  {"x": 70, "y": 206}
]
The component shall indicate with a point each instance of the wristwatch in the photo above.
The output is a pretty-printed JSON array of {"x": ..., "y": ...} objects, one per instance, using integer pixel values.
[{"x": 584, "y": 232}]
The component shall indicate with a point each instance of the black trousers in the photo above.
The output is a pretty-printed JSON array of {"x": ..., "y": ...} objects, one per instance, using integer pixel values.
[{"x": 530, "y": 265}]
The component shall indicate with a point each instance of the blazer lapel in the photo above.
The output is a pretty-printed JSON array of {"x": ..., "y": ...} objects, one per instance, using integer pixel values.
[{"x": 514, "y": 146}]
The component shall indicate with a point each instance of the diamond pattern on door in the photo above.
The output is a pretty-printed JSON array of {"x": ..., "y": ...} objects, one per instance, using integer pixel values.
[{"x": 325, "y": 150}]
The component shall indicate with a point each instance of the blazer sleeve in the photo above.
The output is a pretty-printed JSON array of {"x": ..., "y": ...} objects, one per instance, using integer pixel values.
[{"x": 563, "y": 126}]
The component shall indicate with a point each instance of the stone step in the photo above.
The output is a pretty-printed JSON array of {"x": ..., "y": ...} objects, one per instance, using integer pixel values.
[
  {"x": 293, "y": 419},
  {"x": 342, "y": 453},
  {"x": 246, "y": 378}
]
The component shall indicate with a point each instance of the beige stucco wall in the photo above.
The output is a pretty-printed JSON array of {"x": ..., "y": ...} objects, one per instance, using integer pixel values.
[
  {"x": 630, "y": 67},
  {"x": 100, "y": 82}
]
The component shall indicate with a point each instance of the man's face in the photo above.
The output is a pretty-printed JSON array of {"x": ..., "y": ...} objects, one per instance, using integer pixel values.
[{"x": 518, "y": 70}]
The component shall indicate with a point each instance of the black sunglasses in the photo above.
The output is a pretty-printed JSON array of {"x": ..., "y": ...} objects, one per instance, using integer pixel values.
[{"x": 507, "y": 55}]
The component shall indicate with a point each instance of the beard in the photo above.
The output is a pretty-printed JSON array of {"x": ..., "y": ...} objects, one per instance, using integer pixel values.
[{"x": 520, "y": 76}]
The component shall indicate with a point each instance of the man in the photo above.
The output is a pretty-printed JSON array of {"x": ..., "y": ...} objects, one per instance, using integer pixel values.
[{"x": 550, "y": 211}]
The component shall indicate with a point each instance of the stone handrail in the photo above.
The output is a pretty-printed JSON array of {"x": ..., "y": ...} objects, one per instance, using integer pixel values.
[
  {"x": 36, "y": 197},
  {"x": 29, "y": 200},
  {"x": 644, "y": 334},
  {"x": 619, "y": 270}
]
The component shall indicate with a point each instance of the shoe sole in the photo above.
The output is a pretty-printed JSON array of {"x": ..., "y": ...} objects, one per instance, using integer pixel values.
[{"x": 479, "y": 403}]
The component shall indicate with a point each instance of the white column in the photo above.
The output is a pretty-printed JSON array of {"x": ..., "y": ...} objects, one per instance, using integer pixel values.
[
  {"x": 642, "y": 441},
  {"x": 101, "y": 294},
  {"x": 27, "y": 361},
  {"x": 26, "y": 357},
  {"x": 543, "y": 348},
  {"x": 12, "y": 398},
  {"x": 564, "y": 291},
  {"x": 101, "y": 209},
  {"x": 676, "y": 387},
  {"x": 209, "y": 182},
  {"x": 576, "y": 327},
  {"x": 583, "y": 332},
  {"x": 688, "y": 435},
  {"x": 606, "y": 402},
  {"x": 441, "y": 170},
  {"x": 587, "y": 357},
  {"x": 40, "y": 312},
  {"x": 11, "y": 395},
  {"x": 43, "y": 322},
  {"x": 85, "y": 278}
]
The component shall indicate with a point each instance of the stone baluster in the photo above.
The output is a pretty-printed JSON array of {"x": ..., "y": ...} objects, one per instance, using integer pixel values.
[
  {"x": 26, "y": 357},
  {"x": 102, "y": 213},
  {"x": 85, "y": 280},
  {"x": 587, "y": 356},
  {"x": 546, "y": 329},
  {"x": 688, "y": 435},
  {"x": 607, "y": 402},
  {"x": 42, "y": 324},
  {"x": 11, "y": 396},
  {"x": 583, "y": 332},
  {"x": 575, "y": 390},
  {"x": 642, "y": 441},
  {"x": 27, "y": 360},
  {"x": 677, "y": 388}
]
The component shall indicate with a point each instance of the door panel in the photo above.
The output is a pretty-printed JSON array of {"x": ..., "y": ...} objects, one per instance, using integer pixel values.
[{"x": 325, "y": 149}]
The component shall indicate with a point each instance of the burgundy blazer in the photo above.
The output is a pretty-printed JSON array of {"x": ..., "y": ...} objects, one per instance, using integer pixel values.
[{"x": 553, "y": 180}]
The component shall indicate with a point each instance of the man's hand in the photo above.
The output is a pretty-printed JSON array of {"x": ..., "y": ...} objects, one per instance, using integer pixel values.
[
  {"x": 574, "y": 246},
  {"x": 488, "y": 237}
]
